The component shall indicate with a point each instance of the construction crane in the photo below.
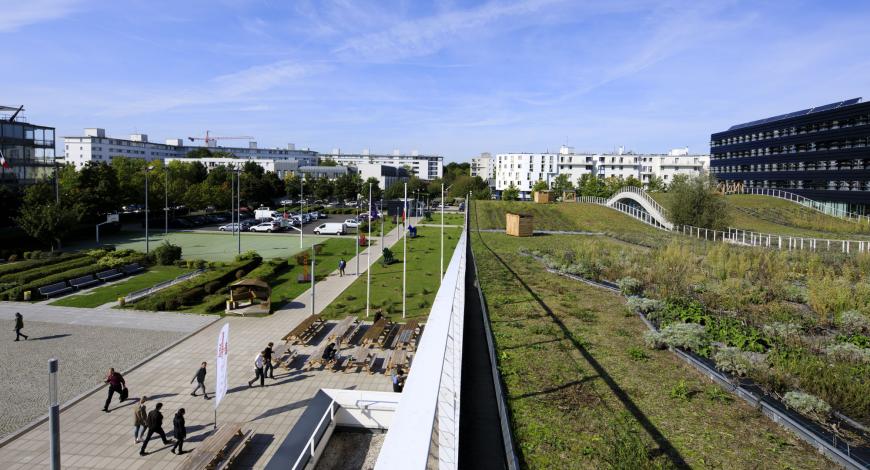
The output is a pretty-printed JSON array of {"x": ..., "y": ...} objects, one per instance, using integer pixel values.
[
  {"x": 211, "y": 141},
  {"x": 14, "y": 115}
]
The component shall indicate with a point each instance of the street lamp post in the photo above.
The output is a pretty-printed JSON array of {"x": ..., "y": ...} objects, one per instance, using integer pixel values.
[
  {"x": 369, "y": 257},
  {"x": 239, "y": 202},
  {"x": 53, "y": 414},
  {"x": 301, "y": 201},
  {"x": 166, "y": 200},
  {"x": 147, "y": 247},
  {"x": 404, "y": 254}
]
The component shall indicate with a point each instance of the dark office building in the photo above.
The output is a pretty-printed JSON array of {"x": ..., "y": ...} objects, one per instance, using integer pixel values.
[
  {"x": 821, "y": 153},
  {"x": 27, "y": 148}
]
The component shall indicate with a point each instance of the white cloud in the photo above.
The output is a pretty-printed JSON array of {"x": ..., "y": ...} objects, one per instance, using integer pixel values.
[{"x": 17, "y": 14}]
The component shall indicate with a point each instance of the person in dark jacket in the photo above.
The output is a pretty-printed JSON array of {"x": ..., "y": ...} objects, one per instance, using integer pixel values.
[
  {"x": 116, "y": 384},
  {"x": 19, "y": 325},
  {"x": 155, "y": 425},
  {"x": 329, "y": 353},
  {"x": 179, "y": 431},
  {"x": 268, "y": 370},
  {"x": 200, "y": 381}
]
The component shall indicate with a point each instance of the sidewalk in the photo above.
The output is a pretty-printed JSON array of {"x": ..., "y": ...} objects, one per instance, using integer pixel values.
[{"x": 92, "y": 439}]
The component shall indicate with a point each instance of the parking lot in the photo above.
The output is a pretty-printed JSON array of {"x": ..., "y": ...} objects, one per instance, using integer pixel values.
[{"x": 306, "y": 228}]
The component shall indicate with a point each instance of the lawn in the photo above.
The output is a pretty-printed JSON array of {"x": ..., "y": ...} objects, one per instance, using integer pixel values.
[
  {"x": 584, "y": 392},
  {"x": 110, "y": 293},
  {"x": 214, "y": 246},
  {"x": 386, "y": 284}
]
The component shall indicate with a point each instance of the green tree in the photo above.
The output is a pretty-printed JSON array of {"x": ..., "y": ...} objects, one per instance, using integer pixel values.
[
  {"x": 348, "y": 186},
  {"x": 454, "y": 170},
  {"x": 199, "y": 152},
  {"x": 323, "y": 188},
  {"x": 612, "y": 184},
  {"x": 327, "y": 162},
  {"x": 656, "y": 184},
  {"x": 562, "y": 183},
  {"x": 540, "y": 185},
  {"x": 632, "y": 181},
  {"x": 44, "y": 219},
  {"x": 292, "y": 185},
  {"x": 11, "y": 197},
  {"x": 397, "y": 189},
  {"x": 695, "y": 201},
  {"x": 377, "y": 192},
  {"x": 512, "y": 193},
  {"x": 591, "y": 185}
]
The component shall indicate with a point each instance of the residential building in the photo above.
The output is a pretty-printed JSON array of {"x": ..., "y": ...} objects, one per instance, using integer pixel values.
[
  {"x": 426, "y": 167},
  {"x": 525, "y": 169},
  {"x": 281, "y": 167},
  {"x": 95, "y": 146},
  {"x": 28, "y": 148},
  {"x": 822, "y": 153},
  {"x": 484, "y": 167}
]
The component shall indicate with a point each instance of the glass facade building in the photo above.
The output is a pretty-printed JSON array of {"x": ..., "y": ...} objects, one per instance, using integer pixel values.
[
  {"x": 821, "y": 153},
  {"x": 28, "y": 149}
]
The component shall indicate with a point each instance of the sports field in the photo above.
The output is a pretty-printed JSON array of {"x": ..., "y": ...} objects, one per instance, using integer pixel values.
[{"x": 215, "y": 246}]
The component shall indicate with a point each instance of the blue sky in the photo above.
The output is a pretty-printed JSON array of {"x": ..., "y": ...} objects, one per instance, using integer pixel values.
[{"x": 448, "y": 77}]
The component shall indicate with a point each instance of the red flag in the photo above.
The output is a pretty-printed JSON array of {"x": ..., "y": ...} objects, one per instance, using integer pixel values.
[{"x": 3, "y": 161}]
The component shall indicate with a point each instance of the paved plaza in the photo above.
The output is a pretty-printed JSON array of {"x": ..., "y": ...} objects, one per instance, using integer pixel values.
[{"x": 93, "y": 439}]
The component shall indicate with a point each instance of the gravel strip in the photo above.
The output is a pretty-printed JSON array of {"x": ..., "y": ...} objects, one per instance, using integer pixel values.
[{"x": 85, "y": 353}]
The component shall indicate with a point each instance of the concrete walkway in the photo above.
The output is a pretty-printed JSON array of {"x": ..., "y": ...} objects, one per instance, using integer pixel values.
[
  {"x": 136, "y": 319},
  {"x": 93, "y": 439}
]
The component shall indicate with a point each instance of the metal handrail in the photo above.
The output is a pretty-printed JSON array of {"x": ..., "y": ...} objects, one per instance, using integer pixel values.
[
  {"x": 807, "y": 202},
  {"x": 142, "y": 293},
  {"x": 311, "y": 445}
]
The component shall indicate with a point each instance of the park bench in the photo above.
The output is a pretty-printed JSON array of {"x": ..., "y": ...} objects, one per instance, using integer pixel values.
[
  {"x": 407, "y": 336},
  {"x": 110, "y": 275},
  {"x": 361, "y": 357},
  {"x": 84, "y": 281},
  {"x": 219, "y": 450},
  {"x": 58, "y": 288},
  {"x": 305, "y": 330},
  {"x": 133, "y": 268},
  {"x": 316, "y": 357},
  {"x": 287, "y": 358},
  {"x": 342, "y": 331},
  {"x": 373, "y": 334},
  {"x": 397, "y": 358}
]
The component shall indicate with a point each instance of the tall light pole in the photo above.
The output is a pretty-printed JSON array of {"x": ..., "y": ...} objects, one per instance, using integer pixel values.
[
  {"x": 148, "y": 170},
  {"x": 301, "y": 202},
  {"x": 53, "y": 414},
  {"x": 404, "y": 254},
  {"x": 166, "y": 200},
  {"x": 443, "y": 190},
  {"x": 239, "y": 202},
  {"x": 313, "y": 258},
  {"x": 369, "y": 258}
]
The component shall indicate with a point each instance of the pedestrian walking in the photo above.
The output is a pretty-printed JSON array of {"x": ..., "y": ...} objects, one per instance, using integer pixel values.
[
  {"x": 258, "y": 370},
  {"x": 19, "y": 325},
  {"x": 179, "y": 431},
  {"x": 268, "y": 369},
  {"x": 155, "y": 426},
  {"x": 200, "y": 381},
  {"x": 140, "y": 420},
  {"x": 116, "y": 384},
  {"x": 398, "y": 380},
  {"x": 341, "y": 265}
]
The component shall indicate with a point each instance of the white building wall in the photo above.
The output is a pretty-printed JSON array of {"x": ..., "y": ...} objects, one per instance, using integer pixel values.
[{"x": 427, "y": 167}]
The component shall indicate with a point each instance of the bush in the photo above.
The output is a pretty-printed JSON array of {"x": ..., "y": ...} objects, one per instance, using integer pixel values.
[
  {"x": 806, "y": 404},
  {"x": 116, "y": 259},
  {"x": 43, "y": 271},
  {"x": 172, "y": 304},
  {"x": 696, "y": 201},
  {"x": 853, "y": 322},
  {"x": 637, "y": 354},
  {"x": 17, "y": 293},
  {"x": 644, "y": 305},
  {"x": 212, "y": 287},
  {"x": 848, "y": 352},
  {"x": 12, "y": 258},
  {"x": 681, "y": 391},
  {"x": 677, "y": 335},
  {"x": 248, "y": 255},
  {"x": 192, "y": 296},
  {"x": 782, "y": 330},
  {"x": 166, "y": 254},
  {"x": 630, "y": 286},
  {"x": 733, "y": 361},
  {"x": 654, "y": 340},
  {"x": 222, "y": 276}
]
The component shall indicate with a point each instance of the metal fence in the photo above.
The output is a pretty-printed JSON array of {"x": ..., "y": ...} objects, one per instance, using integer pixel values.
[
  {"x": 141, "y": 294},
  {"x": 631, "y": 211},
  {"x": 425, "y": 429},
  {"x": 806, "y": 202},
  {"x": 773, "y": 241}
]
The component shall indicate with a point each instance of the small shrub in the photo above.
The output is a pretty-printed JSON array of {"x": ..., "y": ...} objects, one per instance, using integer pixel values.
[
  {"x": 172, "y": 304},
  {"x": 848, "y": 352},
  {"x": 807, "y": 404},
  {"x": 637, "y": 354},
  {"x": 350, "y": 298},
  {"x": 630, "y": 286},
  {"x": 733, "y": 361},
  {"x": 12, "y": 258},
  {"x": 677, "y": 335},
  {"x": 853, "y": 322},
  {"x": 644, "y": 305},
  {"x": 782, "y": 330},
  {"x": 166, "y": 254},
  {"x": 240, "y": 274},
  {"x": 654, "y": 340},
  {"x": 681, "y": 391},
  {"x": 715, "y": 393},
  {"x": 212, "y": 287},
  {"x": 250, "y": 254}
]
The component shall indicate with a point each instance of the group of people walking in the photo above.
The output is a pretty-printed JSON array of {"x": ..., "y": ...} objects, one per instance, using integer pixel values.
[{"x": 263, "y": 366}]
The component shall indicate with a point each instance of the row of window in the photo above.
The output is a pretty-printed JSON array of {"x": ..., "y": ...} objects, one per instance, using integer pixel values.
[
  {"x": 826, "y": 165},
  {"x": 821, "y": 126},
  {"x": 822, "y": 146},
  {"x": 838, "y": 185}
]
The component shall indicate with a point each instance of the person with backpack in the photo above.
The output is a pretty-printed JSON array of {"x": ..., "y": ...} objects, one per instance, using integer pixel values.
[
  {"x": 179, "y": 431},
  {"x": 140, "y": 420},
  {"x": 341, "y": 265},
  {"x": 155, "y": 426},
  {"x": 116, "y": 384},
  {"x": 200, "y": 381},
  {"x": 19, "y": 325}
]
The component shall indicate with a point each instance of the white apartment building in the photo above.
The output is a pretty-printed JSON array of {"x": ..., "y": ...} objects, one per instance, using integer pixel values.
[
  {"x": 95, "y": 146},
  {"x": 525, "y": 169},
  {"x": 426, "y": 167},
  {"x": 484, "y": 167},
  {"x": 280, "y": 167}
]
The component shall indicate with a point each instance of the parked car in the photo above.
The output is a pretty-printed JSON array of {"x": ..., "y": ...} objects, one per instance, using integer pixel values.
[
  {"x": 233, "y": 227},
  {"x": 267, "y": 227},
  {"x": 351, "y": 223},
  {"x": 330, "y": 228},
  {"x": 287, "y": 202}
]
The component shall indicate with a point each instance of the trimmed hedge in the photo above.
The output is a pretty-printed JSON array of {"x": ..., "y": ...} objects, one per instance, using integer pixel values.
[
  {"x": 269, "y": 270},
  {"x": 193, "y": 291},
  {"x": 17, "y": 293},
  {"x": 21, "y": 266},
  {"x": 31, "y": 275}
]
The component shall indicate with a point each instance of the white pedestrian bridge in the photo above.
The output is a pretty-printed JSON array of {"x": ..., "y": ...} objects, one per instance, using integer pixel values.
[{"x": 636, "y": 203}]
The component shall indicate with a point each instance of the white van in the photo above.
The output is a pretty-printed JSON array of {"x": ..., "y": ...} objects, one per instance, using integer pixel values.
[{"x": 330, "y": 228}]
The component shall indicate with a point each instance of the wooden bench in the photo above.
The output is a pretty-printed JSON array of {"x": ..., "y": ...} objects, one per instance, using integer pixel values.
[
  {"x": 397, "y": 358},
  {"x": 133, "y": 268},
  {"x": 316, "y": 357},
  {"x": 342, "y": 330},
  {"x": 407, "y": 335},
  {"x": 361, "y": 357},
  {"x": 287, "y": 358},
  {"x": 305, "y": 330},
  {"x": 110, "y": 275},
  {"x": 58, "y": 288},
  {"x": 219, "y": 450},
  {"x": 84, "y": 281},
  {"x": 375, "y": 331}
]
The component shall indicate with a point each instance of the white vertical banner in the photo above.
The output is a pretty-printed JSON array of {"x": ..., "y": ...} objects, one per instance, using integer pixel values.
[{"x": 221, "y": 365}]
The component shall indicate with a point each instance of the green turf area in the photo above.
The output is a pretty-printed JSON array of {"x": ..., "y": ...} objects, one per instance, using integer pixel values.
[
  {"x": 568, "y": 216},
  {"x": 111, "y": 293},
  {"x": 386, "y": 284},
  {"x": 450, "y": 218},
  {"x": 215, "y": 246},
  {"x": 772, "y": 215},
  {"x": 584, "y": 391}
]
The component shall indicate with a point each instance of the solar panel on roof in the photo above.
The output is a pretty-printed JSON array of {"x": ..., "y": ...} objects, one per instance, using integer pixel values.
[{"x": 803, "y": 112}]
